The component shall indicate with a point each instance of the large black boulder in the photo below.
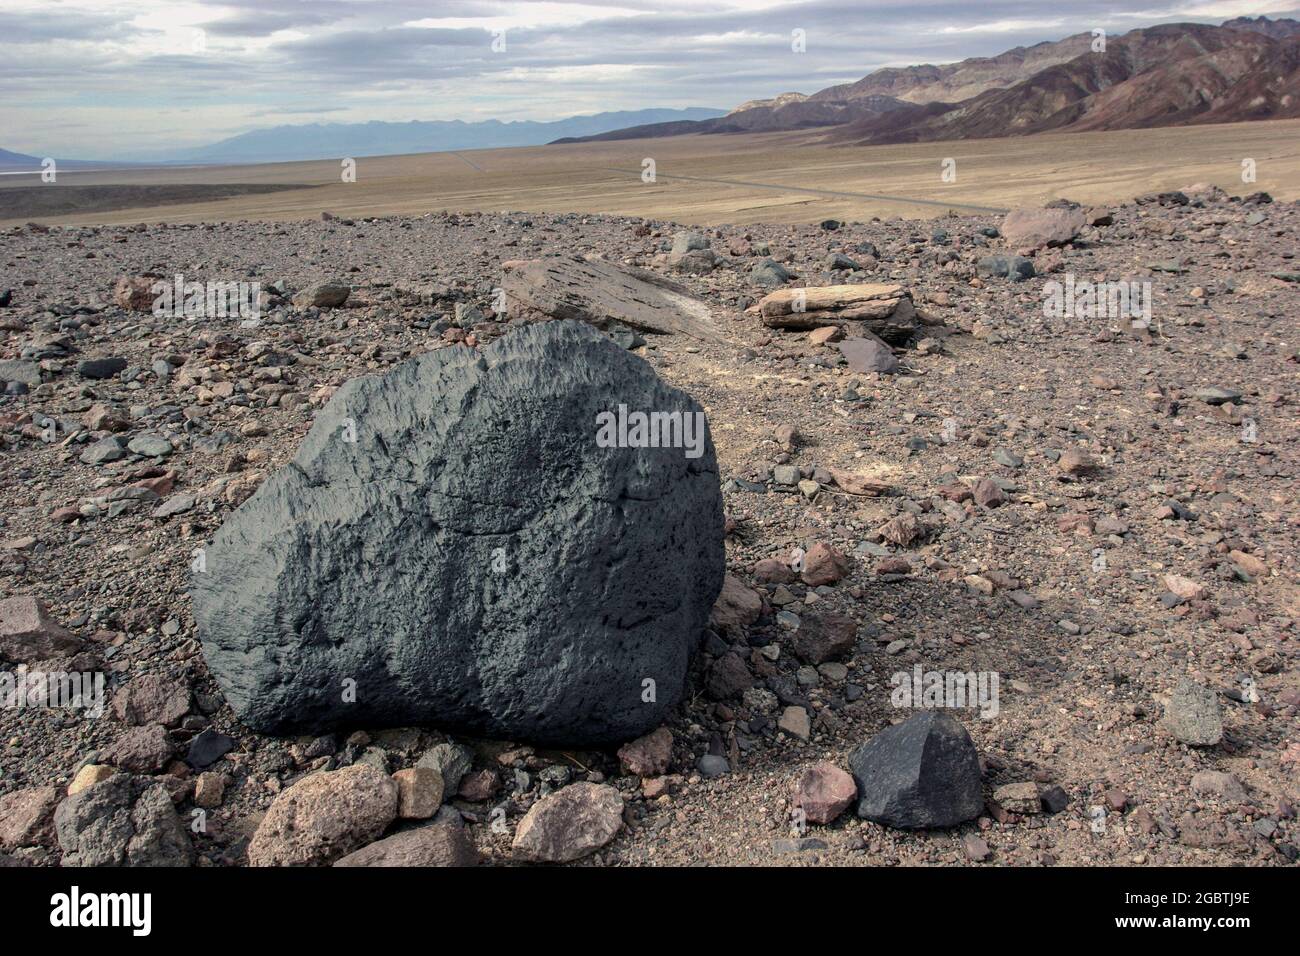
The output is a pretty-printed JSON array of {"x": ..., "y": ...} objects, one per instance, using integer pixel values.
[
  {"x": 921, "y": 773},
  {"x": 451, "y": 545}
]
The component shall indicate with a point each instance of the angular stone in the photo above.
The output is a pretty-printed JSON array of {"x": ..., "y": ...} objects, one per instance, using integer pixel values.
[
  {"x": 425, "y": 509},
  {"x": 1027, "y": 230},
  {"x": 648, "y": 756},
  {"x": 27, "y": 816},
  {"x": 794, "y": 721},
  {"x": 433, "y": 845},
  {"x": 1020, "y": 797},
  {"x": 28, "y": 634},
  {"x": 98, "y": 368},
  {"x": 869, "y": 355},
  {"x": 144, "y": 749},
  {"x": 573, "y": 822},
  {"x": 737, "y": 607},
  {"x": 1218, "y": 784},
  {"x": 825, "y": 637},
  {"x": 1186, "y": 588},
  {"x": 122, "y": 821},
  {"x": 728, "y": 677},
  {"x": 329, "y": 294},
  {"x": 135, "y": 293},
  {"x": 17, "y": 370},
  {"x": 1193, "y": 715},
  {"x": 419, "y": 792},
  {"x": 152, "y": 699},
  {"x": 208, "y": 747},
  {"x": 209, "y": 790},
  {"x": 105, "y": 450},
  {"x": 921, "y": 773},
  {"x": 325, "y": 816},
  {"x": 824, "y": 564},
  {"x": 452, "y": 761},
  {"x": 824, "y": 791},
  {"x": 88, "y": 776}
]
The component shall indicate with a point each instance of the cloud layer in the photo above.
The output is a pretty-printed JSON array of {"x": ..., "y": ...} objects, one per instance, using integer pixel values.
[{"x": 105, "y": 79}]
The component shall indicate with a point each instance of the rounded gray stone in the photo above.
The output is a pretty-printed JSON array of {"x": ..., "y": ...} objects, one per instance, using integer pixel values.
[{"x": 451, "y": 538}]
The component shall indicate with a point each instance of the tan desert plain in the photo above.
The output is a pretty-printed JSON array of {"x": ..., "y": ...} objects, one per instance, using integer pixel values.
[{"x": 700, "y": 179}]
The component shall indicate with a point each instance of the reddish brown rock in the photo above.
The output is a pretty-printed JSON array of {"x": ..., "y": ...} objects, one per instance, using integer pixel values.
[
  {"x": 435, "y": 845},
  {"x": 144, "y": 749},
  {"x": 728, "y": 677},
  {"x": 772, "y": 571},
  {"x": 26, "y": 817},
  {"x": 988, "y": 493},
  {"x": 419, "y": 792},
  {"x": 1028, "y": 230},
  {"x": 823, "y": 564},
  {"x": 903, "y": 530},
  {"x": 152, "y": 699},
  {"x": 573, "y": 822},
  {"x": 825, "y": 637},
  {"x": 479, "y": 785},
  {"x": 648, "y": 756},
  {"x": 737, "y": 607},
  {"x": 1077, "y": 463},
  {"x": 325, "y": 816},
  {"x": 1186, "y": 588},
  {"x": 28, "y": 634},
  {"x": 824, "y": 791},
  {"x": 894, "y": 566},
  {"x": 135, "y": 294}
]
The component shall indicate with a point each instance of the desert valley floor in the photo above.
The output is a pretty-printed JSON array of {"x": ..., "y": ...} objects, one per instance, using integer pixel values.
[{"x": 1092, "y": 591}]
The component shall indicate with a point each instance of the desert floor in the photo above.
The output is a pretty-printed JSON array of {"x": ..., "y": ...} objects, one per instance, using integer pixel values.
[{"x": 704, "y": 180}]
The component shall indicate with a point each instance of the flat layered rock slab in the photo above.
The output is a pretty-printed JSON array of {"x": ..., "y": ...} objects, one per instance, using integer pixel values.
[
  {"x": 605, "y": 294},
  {"x": 885, "y": 310}
]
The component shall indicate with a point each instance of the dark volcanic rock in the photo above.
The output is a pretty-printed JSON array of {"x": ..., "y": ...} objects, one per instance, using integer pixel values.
[
  {"x": 452, "y": 538},
  {"x": 923, "y": 772},
  {"x": 122, "y": 821}
]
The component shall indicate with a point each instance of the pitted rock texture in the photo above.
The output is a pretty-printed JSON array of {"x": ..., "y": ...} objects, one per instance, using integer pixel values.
[{"x": 451, "y": 537}]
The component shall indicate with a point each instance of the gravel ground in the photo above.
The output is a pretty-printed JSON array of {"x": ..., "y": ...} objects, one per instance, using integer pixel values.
[{"x": 1060, "y": 589}]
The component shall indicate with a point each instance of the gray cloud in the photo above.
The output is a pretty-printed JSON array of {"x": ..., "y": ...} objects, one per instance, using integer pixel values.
[{"x": 359, "y": 59}]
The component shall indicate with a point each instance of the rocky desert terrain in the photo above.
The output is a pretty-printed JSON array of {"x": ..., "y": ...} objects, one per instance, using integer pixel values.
[{"x": 1100, "y": 513}]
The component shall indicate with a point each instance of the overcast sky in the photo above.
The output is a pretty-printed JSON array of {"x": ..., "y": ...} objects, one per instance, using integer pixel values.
[{"x": 103, "y": 79}]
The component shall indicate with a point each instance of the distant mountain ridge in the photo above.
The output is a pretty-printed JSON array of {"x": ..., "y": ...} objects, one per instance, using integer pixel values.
[
  {"x": 1171, "y": 74},
  {"x": 376, "y": 138}
]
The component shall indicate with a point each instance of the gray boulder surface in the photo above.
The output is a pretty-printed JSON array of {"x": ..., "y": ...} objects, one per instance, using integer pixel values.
[
  {"x": 922, "y": 773},
  {"x": 451, "y": 537},
  {"x": 122, "y": 821}
]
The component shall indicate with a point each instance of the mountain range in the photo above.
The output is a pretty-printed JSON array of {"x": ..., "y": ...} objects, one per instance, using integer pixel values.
[
  {"x": 1166, "y": 75},
  {"x": 376, "y": 138}
]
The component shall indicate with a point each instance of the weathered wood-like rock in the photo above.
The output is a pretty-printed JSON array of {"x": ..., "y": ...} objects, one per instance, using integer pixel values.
[
  {"x": 434, "y": 845},
  {"x": 884, "y": 310},
  {"x": 605, "y": 294}
]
